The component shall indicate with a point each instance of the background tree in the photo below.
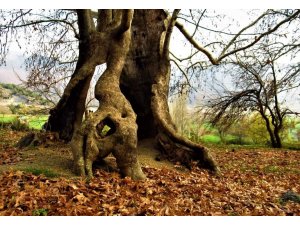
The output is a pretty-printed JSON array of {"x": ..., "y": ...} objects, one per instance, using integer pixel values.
[{"x": 263, "y": 79}]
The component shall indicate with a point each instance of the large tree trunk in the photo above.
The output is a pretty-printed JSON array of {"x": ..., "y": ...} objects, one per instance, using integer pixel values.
[
  {"x": 89, "y": 142},
  {"x": 145, "y": 83},
  {"x": 174, "y": 146},
  {"x": 142, "y": 63},
  {"x": 68, "y": 113}
]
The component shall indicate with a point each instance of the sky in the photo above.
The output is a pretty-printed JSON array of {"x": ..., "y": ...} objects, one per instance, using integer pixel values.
[{"x": 14, "y": 65}]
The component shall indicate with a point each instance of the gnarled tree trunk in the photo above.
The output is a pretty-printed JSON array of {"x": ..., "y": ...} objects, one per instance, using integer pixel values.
[
  {"x": 68, "y": 113},
  {"x": 142, "y": 62},
  {"x": 88, "y": 142},
  {"x": 145, "y": 83}
]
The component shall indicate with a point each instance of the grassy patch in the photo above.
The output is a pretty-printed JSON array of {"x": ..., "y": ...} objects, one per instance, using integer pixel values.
[
  {"x": 40, "y": 171},
  {"x": 292, "y": 146},
  {"x": 40, "y": 212},
  {"x": 211, "y": 139},
  {"x": 6, "y": 118},
  {"x": 33, "y": 122},
  {"x": 37, "y": 122},
  {"x": 273, "y": 169}
]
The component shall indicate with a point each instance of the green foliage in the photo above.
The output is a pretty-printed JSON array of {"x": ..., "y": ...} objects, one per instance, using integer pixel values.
[
  {"x": 36, "y": 122},
  {"x": 15, "y": 123},
  {"x": 292, "y": 146},
  {"x": 251, "y": 130},
  {"x": 211, "y": 139},
  {"x": 271, "y": 169},
  {"x": 237, "y": 140},
  {"x": 19, "y": 125},
  {"x": 14, "y": 108},
  {"x": 26, "y": 109},
  {"x": 40, "y": 212},
  {"x": 19, "y": 90},
  {"x": 4, "y": 118},
  {"x": 105, "y": 130}
]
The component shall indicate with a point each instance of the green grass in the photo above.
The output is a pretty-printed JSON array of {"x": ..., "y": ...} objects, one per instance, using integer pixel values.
[
  {"x": 40, "y": 171},
  {"x": 272, "y": 169},
  {"x": 211, "y": 139},
  {"x": 4, "y": 118},
  {"x": 292, "y": 146},
  {"x": 34, "y": 122},
  {"x": 40, "y": 212}
]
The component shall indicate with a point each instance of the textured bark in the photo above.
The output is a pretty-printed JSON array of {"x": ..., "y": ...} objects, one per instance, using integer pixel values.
[
  {"x": 175, "y": 147},
  {"x": 68, "y": 113},
  {"x": 145, "y": 83},
  {"x": 273, "y": 133},
  {"x": 88, "y": 142},
  {"x": 141, "y": 63}
]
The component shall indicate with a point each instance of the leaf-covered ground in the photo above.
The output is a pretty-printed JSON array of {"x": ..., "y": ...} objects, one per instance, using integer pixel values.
[{"x": 253, "y": 182}]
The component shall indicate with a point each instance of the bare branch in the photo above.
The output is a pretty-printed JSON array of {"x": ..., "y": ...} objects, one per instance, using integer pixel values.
[
  {"x": 195, "y": 44},
  {"x": 261, "y": 36}
]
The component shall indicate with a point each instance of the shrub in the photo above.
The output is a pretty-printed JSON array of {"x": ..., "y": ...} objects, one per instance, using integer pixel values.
[
  {"x": 211, "y": 139},
  {"x": 19, "y": 125},
  {"x": 14, "y": 108}
]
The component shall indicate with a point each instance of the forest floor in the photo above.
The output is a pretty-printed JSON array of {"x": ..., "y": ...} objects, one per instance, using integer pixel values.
[{"x": 253, "y": 181}]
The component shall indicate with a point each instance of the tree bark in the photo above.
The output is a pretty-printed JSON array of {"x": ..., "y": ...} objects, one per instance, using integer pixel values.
[
  {"x": 145, "y": 83},
  {"x": 277, "y": 138},
  {"x": 67, "y": 114},
  {"x": 89, "y": 142},
  {"x": 142, "y": 62},
  {"x": 273, "y": 133}
]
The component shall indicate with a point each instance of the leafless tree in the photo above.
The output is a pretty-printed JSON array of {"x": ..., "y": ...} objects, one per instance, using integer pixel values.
[{"x": 263, "y": 79}]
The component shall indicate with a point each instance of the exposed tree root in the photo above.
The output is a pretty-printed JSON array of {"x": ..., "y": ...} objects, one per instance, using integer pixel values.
[
  {"x": 37, "y": 138},
  {"x": 175, "y": 147}
]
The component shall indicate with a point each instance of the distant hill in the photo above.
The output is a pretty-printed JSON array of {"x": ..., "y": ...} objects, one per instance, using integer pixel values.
[{"x": 15, "y": 95}]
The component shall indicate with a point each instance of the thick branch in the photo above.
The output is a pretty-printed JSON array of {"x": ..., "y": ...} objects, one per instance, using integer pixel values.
[
  {"x": 195, "y": 44},
  {"x": 127, "y": 16},
  {"x": 104, "y": 18},
  {"x": 169, "y": 32},
  {"x": 85, "y": 23}
]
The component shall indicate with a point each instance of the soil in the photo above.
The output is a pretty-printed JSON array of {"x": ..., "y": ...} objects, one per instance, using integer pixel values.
[{"x": 56, "y": 157}]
